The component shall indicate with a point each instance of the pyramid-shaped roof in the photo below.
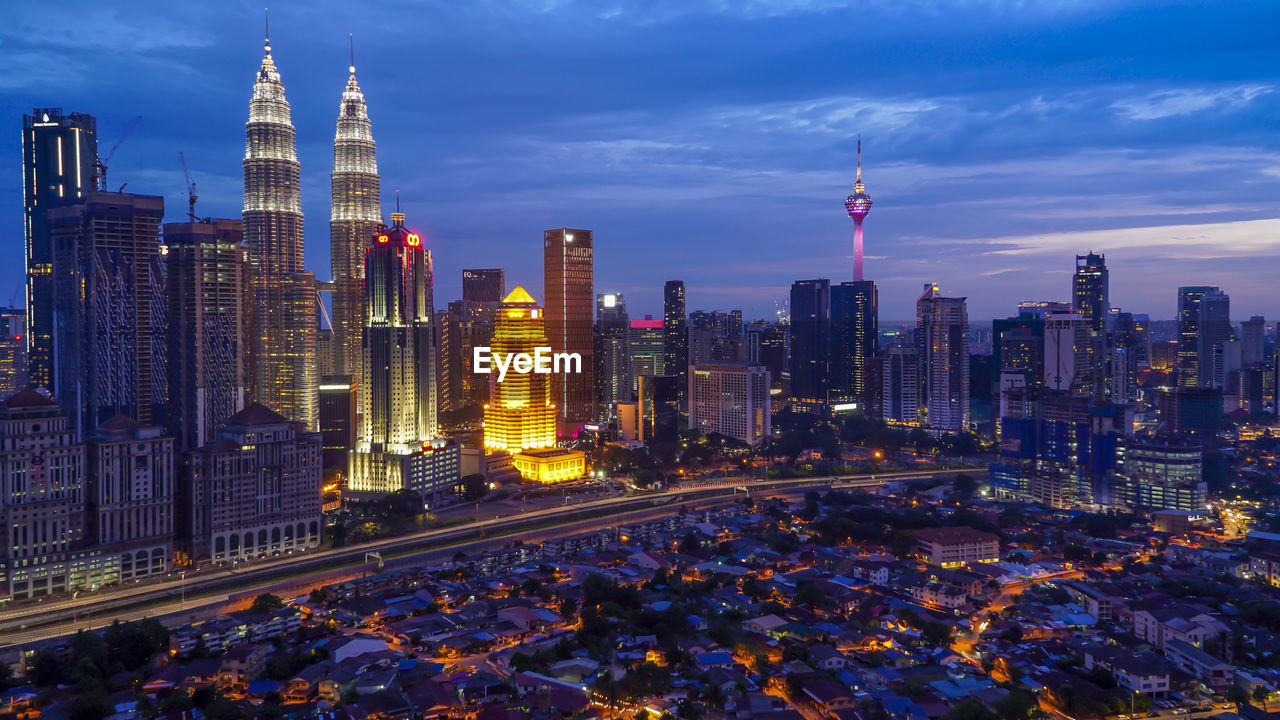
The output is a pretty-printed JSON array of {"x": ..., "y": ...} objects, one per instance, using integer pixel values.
[
  {"x": 256, "y": 414},
  {"x": 28, "y": 398},
  {"x": 519, "y": 296}
]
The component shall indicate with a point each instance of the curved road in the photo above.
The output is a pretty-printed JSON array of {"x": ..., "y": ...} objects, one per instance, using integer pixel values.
[{"x": 213, "y": 587}]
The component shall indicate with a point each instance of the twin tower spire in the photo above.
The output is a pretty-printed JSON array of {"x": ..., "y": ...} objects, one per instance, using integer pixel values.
[{"x": 282, "y": 347}]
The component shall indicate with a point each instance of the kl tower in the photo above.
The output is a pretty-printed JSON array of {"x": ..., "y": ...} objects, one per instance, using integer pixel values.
[{"x": 859, "y": 205}]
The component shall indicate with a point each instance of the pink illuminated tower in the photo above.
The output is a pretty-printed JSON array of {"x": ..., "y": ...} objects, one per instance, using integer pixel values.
[{"x": 859, "y": 205}]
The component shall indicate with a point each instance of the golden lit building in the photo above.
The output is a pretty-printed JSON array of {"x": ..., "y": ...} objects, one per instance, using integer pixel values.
[{"x": 520, "y": 415}]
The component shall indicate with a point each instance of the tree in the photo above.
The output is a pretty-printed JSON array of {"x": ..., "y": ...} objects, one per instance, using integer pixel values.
[
  {"x": 90, "y": 706},
  {"x": 1237, "y": 695},
  {"x": 265, "y": 603},
  {"x": 46, "y": 668},
  {"x": 475, "y": 486},
  {"x": 971, "y": 709}
]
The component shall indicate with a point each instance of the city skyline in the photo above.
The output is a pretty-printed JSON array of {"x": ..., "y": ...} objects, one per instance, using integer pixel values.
[{"x": 1176, "y": 166}]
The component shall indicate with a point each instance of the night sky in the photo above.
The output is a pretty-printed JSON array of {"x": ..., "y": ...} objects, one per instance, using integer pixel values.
[{"x": 714, "y": 142}]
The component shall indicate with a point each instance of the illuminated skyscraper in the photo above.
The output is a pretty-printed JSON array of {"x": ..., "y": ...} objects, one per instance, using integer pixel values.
[
  {"x": 858, "y": 205},
  {"x": 58, "y": 155},
  {"x": 675, "y": 337},
  {"x": 282, "y": 347},
  {"x": 942, "y": 339},
  {"x": 1090, "y": 297},
  {"x": 520, "y": 414},
  {"x": 1204, "y": 325},
  {"x": 645, "y": 350},
  {"x": 1090, "y": 290},
  {"x": 398, "y": 389},
  {"x": 206, "y": 324},
  {"x": 568, "y": 276},
  {"x": 354, "y": 211}
]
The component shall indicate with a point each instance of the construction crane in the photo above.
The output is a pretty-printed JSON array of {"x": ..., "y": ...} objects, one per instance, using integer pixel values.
[
  {"x": 191, "y": 189},
  {"x": 100, "y": 163},
  {"x": 784, "y": 310}
]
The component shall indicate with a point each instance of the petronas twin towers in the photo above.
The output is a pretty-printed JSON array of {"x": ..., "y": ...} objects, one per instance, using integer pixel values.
[{"x": 283, "y": 308}]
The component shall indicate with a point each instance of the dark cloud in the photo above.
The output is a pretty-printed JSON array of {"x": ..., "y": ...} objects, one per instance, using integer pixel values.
[{"x": 713, "y": 140}]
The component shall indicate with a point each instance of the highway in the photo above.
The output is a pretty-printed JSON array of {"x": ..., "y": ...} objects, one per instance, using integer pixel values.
[{"x": 197, "y": 593}]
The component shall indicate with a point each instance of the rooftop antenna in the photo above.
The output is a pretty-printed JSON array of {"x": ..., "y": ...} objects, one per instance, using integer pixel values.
[
  {"x": 266, "y": 28},
  {"x": 352, "y": 40}
]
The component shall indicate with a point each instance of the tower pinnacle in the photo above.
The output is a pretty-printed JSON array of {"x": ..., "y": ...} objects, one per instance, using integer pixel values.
[
  {"x": 858, "y": 205},
  {"x": 352, "y": 68}
]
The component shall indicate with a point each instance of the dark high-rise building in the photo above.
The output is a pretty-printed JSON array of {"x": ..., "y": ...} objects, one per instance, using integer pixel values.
[
  {"x": 339, "y": 425},
  {"x": 107, "y": 255},
  {"x": 612, "y": 356},
  {"x": 484, "y": 286},
  {"x": 1195, "y": 341},
  {"x": 355, "y": 209},
  {"x": 854, "y": 322},
  {"x": 769, "y": 344},
  {"x": 810, "y": 344},
  {"x": 13, "y": 350},
  {"x": 206, "y": 328},
  {"x": 568, "y": 279},
  {"x": 716, "y": 337},
  {"x": 646, "y": 350},
  {"x": 1018, "y": 344},
  {"x": 1252, "y": 333},
  {"x": 1123, "y": 354},
  {"x": 282, "y": 347},
  {"x": 675, "y": 336},
  {"x": 1191, "y": 410},
  {"x": 659, "y": 407},
  {"x": 942, "y": 339},
  {"x": 398, "y": 390},
  {"x": 59, "y": 153}
]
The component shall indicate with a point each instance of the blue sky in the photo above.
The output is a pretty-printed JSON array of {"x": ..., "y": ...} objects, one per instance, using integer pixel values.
[{"x": 714, "y": 141}]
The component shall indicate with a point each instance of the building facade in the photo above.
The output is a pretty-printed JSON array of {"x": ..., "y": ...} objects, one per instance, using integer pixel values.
[
  {"x": 488, "y": 285},
  {"x": 942, "y": 339},
  {"x": 13, "y": 350},
  {"x": 731, "y": 399},
  {"x": 1161, "y": 473},
  {"x": 59, "y": 154},
  {"x": 43, "y": 468},
  {"x": 283, "y": 371},
  {"x": 132, "y": 482},
  {"x": 207, "y": 280},
  {"x": 339, "y": 425},
  {"x": 255, "y": 491},
  {"x": 568, "y": 279}
]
